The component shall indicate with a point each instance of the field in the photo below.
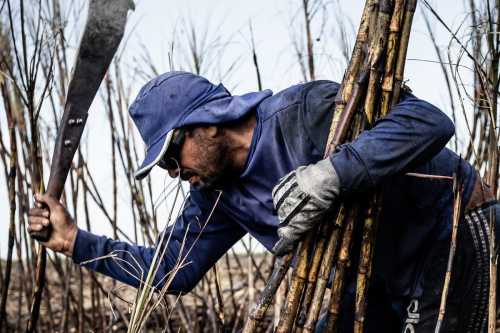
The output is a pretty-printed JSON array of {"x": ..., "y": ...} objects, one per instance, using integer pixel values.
[{"x": 451, "y": 55}]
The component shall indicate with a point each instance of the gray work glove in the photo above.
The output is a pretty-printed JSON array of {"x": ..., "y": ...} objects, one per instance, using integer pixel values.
[{"x": 301, "y": 198}]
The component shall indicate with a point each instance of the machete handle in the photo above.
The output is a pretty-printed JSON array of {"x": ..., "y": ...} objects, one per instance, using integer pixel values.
[{"x": 44, "y": 234}]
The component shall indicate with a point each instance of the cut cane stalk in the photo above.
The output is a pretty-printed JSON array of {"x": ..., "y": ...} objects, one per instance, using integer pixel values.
[
  {"x": 324, "y": 273},
  {"x": 405, "y": 37},
  {"x": 338, "y": 278},
  {"x": 349, "y": 98},
  {"x": 369, "y": 232},
  {"x": 312, "y": 276},
  {"x": 352, "y": 72},
  {"x": 299, "y": 277},
  {"x": 342, "y": 127},
  {"x": 492, "y": 305},
  {"x": 365, "y": 265},
  {"x": 375, "y": 57},
  {"x": 281, "y": 266},
  {"x": 457, "y": 204},
  {"x": 258, "y": 313},
  {"x": 392, "y": 52}
]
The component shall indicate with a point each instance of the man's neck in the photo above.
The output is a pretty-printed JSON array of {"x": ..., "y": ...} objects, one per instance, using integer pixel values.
[{"x": 240, "y": 136}]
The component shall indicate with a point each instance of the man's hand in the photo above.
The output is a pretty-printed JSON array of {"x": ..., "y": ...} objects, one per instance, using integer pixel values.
[
  {"x": 64, "y": 229},
  {"x": 301, "y": 198}
]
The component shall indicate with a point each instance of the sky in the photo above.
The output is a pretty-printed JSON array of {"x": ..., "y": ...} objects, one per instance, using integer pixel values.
[{"x": 150, "y": 31}]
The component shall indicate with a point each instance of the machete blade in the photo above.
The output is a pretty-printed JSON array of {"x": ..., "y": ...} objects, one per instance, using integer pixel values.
[{"x": 101, "y": 37}]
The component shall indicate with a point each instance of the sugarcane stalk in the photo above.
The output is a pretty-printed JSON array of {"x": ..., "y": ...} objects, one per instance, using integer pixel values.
[
  {"x": 300, "y": 273},
  {"x": 342, "y": 127},
  {"x": 370, "y": 227},
  {"x": 313, "y": 275},
  {"x": 37, "y": 291},
  {"x": 324, "y": 273},
  {"x": 457, "y": 204},
  {"x": 299, "y": 276},
  {"x": 41, "y": 257},
  {"x": 410, "y": 7},
  {"x": 375, "y": 57},
  {"x": 392, "y": 52},
  {"x": 279, "y": 301},
  {"x": 340, "y": 269},
  {"x": 492, "y": 305},
  {"x": 345, "y": 107},
  {"x": 13, "y": 165},
  {"x": 358, "y": 54},
  {"x": 365, "y": 265},
  {"x": 258, "y": 313},
  {"x": 356, "y": 80}
]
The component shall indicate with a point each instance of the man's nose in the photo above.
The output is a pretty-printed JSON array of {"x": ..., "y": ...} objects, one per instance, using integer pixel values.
[
  {"x": 174, "y": 173},
  {"x": 194, "y": 180}
]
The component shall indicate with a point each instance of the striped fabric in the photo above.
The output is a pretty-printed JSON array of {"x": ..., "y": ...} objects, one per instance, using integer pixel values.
[{"x": 479, "y": 221}]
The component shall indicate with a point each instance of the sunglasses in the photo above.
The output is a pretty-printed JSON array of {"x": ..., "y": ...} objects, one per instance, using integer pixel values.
[{"x": 170, "y": 160}]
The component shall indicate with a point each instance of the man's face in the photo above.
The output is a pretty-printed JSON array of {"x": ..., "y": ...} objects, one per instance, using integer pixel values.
[{"x": 203, "y": 159}]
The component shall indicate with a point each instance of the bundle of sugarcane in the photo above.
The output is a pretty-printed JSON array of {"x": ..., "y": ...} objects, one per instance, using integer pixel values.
[{"x": 371, "y": 85}]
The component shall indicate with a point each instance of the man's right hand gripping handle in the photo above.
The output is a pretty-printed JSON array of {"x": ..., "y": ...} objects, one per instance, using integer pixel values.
[{"x": 51, "y": 214}]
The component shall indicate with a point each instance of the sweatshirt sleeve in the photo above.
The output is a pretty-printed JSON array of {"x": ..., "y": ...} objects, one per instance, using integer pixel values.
[
  {"x": 192, "y": 239},
  {"x": 412, "y": 133}
]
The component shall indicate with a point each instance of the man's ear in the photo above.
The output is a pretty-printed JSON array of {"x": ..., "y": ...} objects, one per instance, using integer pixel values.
[{"x": 212, "y": 131}]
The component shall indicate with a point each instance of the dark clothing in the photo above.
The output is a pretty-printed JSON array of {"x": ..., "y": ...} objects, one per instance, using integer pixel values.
[
  {"x": 468, "y": 293},
  {"x": 292, "y": 129},
  {"x": 467, "y": 302}
]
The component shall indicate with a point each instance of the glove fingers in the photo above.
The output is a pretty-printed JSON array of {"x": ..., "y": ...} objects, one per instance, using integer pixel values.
[
  {"x": 283, "y": 182},
  {"x": 294, "y": 209}
]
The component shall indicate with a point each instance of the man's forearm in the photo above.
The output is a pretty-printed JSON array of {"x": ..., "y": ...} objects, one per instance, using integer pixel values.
[{"x": 412, "y": 133}]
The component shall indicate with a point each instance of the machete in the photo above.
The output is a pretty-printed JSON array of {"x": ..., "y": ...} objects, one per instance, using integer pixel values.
[{"x": 103, "y": 32}]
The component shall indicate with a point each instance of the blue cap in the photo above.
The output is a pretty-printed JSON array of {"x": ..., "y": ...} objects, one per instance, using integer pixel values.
[{"x": 176, "y": 99}]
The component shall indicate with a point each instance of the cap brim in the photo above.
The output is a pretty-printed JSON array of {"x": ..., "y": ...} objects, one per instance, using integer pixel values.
[{"x": 154, "y": 155}]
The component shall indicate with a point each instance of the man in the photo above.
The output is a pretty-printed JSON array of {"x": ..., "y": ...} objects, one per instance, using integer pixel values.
[{"x": 245, "y": 155}]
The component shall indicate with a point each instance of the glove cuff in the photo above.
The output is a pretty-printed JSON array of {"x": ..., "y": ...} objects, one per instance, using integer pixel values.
[{"x": 320, "y": 181}]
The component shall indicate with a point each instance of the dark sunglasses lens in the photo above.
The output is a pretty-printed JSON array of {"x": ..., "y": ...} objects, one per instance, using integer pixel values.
[
  {"x": 171, "y": 157},
  {"x": 168, "y": 163}
]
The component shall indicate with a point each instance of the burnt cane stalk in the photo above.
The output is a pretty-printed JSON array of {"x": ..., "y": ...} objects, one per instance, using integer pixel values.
[
  {"x": 353, "y": 68},
  {"x": 361, "y": 76},
  {"x": 457, "y": 202},
  {"x": 340, "y": 269},
  {"x": 324, "y": 273},
  {"x": 376, "y": 53},
  {"x": 12, "y": 199},
  {"x": 371, "y": 222},
  {"x": 410, "y": 7},
  {"x": 392, "y": 52},
  {"x": 312, "y": 276},
  {"x": 379, "y": 41},
  {"x": 339, "y": 128},
  {"x": 299, "y": 277},
  {"x": 300, "y": 272},
  {"x": 342, "y": 116},
  {"x": 365, "y": 265},
  {"x": 258, "y": 313}
]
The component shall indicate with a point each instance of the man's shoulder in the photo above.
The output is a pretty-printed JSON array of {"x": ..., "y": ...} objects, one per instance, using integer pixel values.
[
  {"x": 299, "y": 118},
  {"x": 298, "y": 95}
]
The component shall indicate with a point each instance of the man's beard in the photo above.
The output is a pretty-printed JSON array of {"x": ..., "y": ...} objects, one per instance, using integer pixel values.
[{"x": 213, "y": 164}]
